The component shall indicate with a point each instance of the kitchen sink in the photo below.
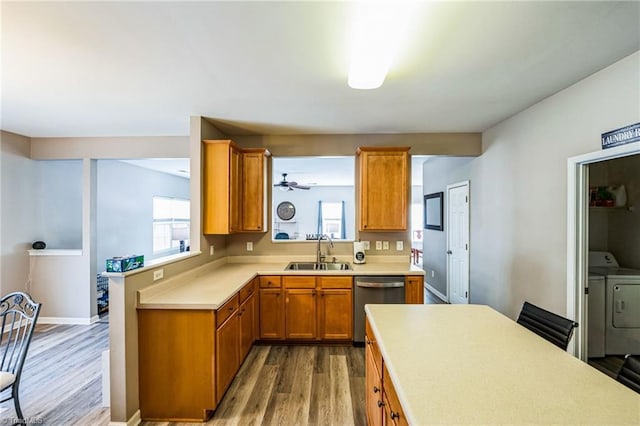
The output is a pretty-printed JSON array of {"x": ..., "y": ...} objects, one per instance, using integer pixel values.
[{"x": 313, "y": 266}]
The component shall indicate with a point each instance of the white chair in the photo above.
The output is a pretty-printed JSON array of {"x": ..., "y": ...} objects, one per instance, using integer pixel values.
[{"x": 18, "y": 313}]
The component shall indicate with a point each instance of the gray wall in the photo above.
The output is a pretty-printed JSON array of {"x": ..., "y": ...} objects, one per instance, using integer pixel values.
[
  {"x": 18, "y": 214},
  {"x": 519, "y": 188},
  {"x": 125, "y": 208},
  {"x": 437, "y": 173},
  {"x": 617, "y": 231},
  {"x": 59, "y": 203}
]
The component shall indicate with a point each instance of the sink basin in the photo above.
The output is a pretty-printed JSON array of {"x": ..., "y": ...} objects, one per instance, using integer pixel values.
[{"x": 313, "y": 266}]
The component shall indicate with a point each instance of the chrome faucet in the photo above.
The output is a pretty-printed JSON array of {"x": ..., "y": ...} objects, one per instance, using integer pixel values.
[{"x": 319, "y": 255}]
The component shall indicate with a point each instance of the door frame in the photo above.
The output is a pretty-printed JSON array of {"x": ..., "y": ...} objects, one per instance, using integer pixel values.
[
  {"x": 578, "y": 236},
  {"x": 466, "y": 183}
]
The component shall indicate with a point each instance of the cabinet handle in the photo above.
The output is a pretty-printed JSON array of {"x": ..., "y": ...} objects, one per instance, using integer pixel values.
[
  {"x": 380, "y": 403},
  {"x": 376, "y": 389},
  {"x": 395, "y": 415},
  {"x": 368, "y": 341},
  {"x": 231, "y": 308}
]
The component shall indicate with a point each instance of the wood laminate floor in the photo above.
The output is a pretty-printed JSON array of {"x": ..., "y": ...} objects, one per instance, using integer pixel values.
[
  {"x": 294, "y": 385},
  {"x": 62, "y": 377}
]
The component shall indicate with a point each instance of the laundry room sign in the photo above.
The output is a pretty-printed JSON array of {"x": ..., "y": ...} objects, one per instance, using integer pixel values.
[{"x": 621, "y": 136}]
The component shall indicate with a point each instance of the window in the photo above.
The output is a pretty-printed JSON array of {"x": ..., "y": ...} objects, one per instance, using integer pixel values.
[
  {"x": 170, "y": 224},
  {"x": 332, "y": 219}
]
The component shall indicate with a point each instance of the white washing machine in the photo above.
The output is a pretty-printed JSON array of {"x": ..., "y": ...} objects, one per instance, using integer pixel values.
[{"x": 621, "y": 304}]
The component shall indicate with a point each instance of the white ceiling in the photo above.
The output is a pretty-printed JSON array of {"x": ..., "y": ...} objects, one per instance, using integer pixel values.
[{"x": 142, "y": 68}]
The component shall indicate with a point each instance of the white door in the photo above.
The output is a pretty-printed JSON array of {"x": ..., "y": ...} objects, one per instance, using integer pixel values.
[{"x": 458, "y": 242}]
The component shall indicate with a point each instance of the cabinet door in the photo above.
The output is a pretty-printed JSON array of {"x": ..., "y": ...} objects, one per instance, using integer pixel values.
[
  {"x": 227, "y": 354},
  {"x": 235, "y": 186},
  {"x": 373, "y": 391},
  {"x": 271, "y": 314},
  {"x": 188, "y": 392},
  {"x": 300, "y": 313},
  {"x": 253, "y": 190},
  {"x": 335, "y": 314},
  {"x": 414, "y": 289},
  {"x": 247, "y": 326},
  {"x": 216, "y": 186},
  {"x": 383, "y": 189}
]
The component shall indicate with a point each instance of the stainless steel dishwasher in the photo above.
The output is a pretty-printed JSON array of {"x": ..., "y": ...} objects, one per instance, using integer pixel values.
[{"x": 373, "y": 289}]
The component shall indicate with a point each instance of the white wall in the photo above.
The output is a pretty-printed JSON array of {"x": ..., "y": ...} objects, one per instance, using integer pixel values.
[
  {"x": 519, "y": 188},
  {"x": 125, "y": 208},
  {"x": 19, "y": 213}
]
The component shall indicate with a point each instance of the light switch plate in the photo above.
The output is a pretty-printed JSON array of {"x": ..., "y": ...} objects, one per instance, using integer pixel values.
[
  {"x": 249, "y": 246},
  {"x": 211, "y": 250},
  {"x": 378, "y": 245},
  {"x": 367, "y": 246},
  {"x": 399, "y": 245},
  {"x": 385, "y": 245}
]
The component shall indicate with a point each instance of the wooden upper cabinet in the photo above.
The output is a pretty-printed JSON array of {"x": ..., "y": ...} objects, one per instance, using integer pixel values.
[
  {"x": 254, "y": 190},
  {"x": 383, "y": 188},
  {"x": 221, "y": 191},
  {"x": 234, "y": 191}
]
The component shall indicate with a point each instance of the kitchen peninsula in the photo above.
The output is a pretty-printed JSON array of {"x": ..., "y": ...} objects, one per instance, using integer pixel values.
[
  {"x": 469, "y": 364},
  {"x": 195, "y": 330}
]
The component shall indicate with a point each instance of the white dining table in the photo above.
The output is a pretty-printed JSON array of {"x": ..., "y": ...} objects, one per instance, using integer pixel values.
[{"x": 469, "y": 364}]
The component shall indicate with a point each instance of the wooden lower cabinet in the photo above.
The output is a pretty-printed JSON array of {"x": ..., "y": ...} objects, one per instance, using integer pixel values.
[
  {"x": 176, "y": 359},
  {"x": 335, "y": 314},
  {"x": 227, "y": 354},
  {"x": 373, "y": 390},
  {"x": 414, "y": 289},
  {"x": 248, "y": 316},
  {"x": 381, "y": 400},
  {"x": 300, "y": 314},
  {"x": 271, "y": 314}
]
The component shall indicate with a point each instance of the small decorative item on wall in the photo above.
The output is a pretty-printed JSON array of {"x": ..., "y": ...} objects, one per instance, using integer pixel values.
[
  {"x": 433, "y": 211},
  {"x": 286, "y": 210}
]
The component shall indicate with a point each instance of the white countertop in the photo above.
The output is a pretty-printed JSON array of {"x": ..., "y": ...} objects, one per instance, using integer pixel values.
[
  {"x": 213, "y": 288},
  {"x": 468, "y": 364}
]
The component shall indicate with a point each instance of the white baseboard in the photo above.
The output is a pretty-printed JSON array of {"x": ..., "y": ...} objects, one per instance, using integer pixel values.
[
  {"x": 68, "y": 320},
  {"x": 436, "y": 292},
  {"x": 135, "y": 420}
]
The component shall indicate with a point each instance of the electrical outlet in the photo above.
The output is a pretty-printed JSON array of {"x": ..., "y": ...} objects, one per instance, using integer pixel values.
[
  {"x": 378, "y": 245},
  {"x": 385, "y": 245},
  {"x": 249, "y": 246},
  {"x": 211, "y": 250},
  {"x": 158, "y": 275},
  {"x": 367, "y": 246},
  {"x": 399, "y": 245},
  {"x": 433, "y": 273}
]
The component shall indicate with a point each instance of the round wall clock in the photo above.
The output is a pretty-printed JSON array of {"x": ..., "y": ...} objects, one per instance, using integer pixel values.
[{"x": 286, "y": 210}]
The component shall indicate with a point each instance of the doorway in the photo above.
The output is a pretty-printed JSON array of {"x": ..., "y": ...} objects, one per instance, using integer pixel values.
[
  {"x": 578, "y": 238},
  {"x": 458, "y": 242}
]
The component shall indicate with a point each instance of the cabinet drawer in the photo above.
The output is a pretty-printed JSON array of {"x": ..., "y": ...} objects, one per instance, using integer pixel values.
[
  {"x": 370, "y": 341},
  {"x": 296, "y": 281},
  {"x": 227, "y": 309},
  {"x": 268, "y": 281},
  {"x": 393, "y": 403},
  {"x": 247, "y": 290},
  {"x": 335, "y": 282}
]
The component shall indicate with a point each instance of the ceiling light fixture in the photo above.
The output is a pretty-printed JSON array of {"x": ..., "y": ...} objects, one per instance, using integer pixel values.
[{"x": 379, "y": 28}]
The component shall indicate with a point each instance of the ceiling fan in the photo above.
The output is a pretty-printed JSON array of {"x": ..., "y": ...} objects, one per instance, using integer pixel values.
[{"x": 289, "y": 186}]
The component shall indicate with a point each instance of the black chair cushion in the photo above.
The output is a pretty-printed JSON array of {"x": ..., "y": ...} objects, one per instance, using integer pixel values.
[
  {"x": 554, "y": 328},
  {"x": 630, "y": 373}
]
